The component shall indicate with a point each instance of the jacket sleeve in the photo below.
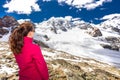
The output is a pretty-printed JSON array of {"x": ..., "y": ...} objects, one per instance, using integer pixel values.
[{"x": 40, "y": 63}]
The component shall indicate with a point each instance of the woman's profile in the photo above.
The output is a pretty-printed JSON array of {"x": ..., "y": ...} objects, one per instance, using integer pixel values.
[{"x": 29, "y": 58}]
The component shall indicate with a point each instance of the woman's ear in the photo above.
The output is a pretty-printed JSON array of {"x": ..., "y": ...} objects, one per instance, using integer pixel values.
[{"x": 30, "y": 34}]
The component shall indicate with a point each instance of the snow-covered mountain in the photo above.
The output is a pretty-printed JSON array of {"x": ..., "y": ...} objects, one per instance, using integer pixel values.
[
  {"x": 76, "y": 37},
  {"x": 72, "y": 41},
  {"x": 112, "y": 22},
  {"x": 79, "y": 38}
]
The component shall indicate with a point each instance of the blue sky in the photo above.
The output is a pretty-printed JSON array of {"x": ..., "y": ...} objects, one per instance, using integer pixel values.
[{"x": 39, "y": 10}]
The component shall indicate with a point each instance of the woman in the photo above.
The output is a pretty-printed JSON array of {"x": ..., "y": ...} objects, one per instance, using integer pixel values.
[{"x": 29, "y": 58}]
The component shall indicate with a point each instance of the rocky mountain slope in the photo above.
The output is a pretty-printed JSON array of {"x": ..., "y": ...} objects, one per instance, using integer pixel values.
[
  {"x": 61, "y": 65},
  {"x": 80, "y": 38},
  {"x": 112, "y": 23},
  {"x": 106, "y": 31}
]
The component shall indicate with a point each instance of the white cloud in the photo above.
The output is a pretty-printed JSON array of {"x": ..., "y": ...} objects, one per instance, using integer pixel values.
[
  {"x": 88, "y": 4},
  {"x": 110, "y": 16},
  {"x": 22, "y": 6},
  {"x": 82, "y": 2},
  {"x": 96, "y": 4},
  {"x": 27, "y": 6}
]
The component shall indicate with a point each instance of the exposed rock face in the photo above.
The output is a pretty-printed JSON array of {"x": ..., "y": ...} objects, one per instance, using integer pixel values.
[
  {"x": 111, "y": 39},
  {"x": 61, "y": 66},
  {"x": 56, "y": 25},
  {"x": 114, "y": 43},
  {"x": 95, "y": 32},
  {"x": 112, "y": 24},
  {"x": 91, "y": 30},
  {"x": 7, "y": 22},
  {"x": 111, "y": 47},
  {"x": 3, "y": 31},
  {"x": 85, "y": 26},
  {"x": 116, "y": 29},
  {"x": 0, "y": 36}
]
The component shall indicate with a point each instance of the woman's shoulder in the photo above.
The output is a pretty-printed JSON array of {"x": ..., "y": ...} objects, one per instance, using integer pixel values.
[
  {"x": 35, "y": 45},
  {"x": 35, "y": 48}
]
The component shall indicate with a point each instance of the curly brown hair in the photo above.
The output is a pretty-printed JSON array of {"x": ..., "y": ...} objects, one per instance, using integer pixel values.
[{"x": 16, "y": 38}]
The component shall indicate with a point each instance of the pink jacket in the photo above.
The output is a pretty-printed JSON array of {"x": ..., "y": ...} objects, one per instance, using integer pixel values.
[{"x": 32, "y": 65}]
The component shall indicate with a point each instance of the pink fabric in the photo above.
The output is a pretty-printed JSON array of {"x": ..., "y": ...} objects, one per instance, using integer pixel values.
[{"x": 32, "y": 65}]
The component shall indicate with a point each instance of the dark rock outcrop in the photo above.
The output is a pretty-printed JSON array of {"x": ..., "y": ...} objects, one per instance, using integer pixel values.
[
  {"x": 111, "y": 47},
  {"x": 0, "y": 36},
  {"x": 116, "y": 29},
  {"x": 112, "y": 39},
  {"x": 46, "y": 37},
  {"x": 85, "y": 26},
  {"x": 7, "y": 22},
  {"x": 114, "y": 43},
  {"x": 3, "y": 31},
  {"x": 95, "y": 32}
]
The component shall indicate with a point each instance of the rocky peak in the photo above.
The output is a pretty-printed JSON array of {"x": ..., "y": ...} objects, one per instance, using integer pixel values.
[
  {"x": 116, "y": 17},
  {"x": 9, "y": 21},
  {"x": 95, "y": 32},
  {"x": 62, "y": 24},
  {"x": 112, "y": 23},
  {"x": 59, "y": 24}
]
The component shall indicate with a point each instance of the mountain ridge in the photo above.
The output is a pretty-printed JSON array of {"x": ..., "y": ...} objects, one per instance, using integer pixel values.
[{"x": 73, "y": 49}]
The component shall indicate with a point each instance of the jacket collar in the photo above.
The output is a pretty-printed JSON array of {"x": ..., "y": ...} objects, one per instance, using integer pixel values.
[{"x": 28, "y": 39}]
